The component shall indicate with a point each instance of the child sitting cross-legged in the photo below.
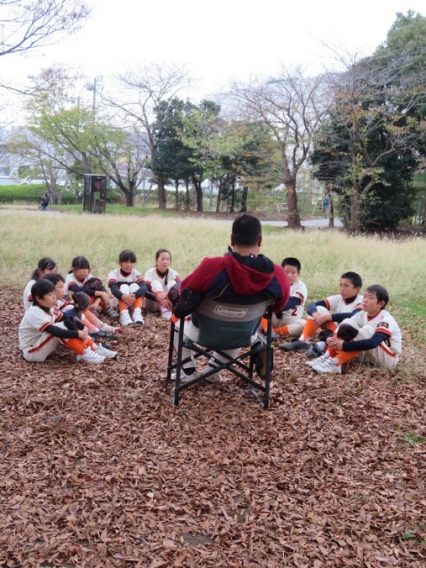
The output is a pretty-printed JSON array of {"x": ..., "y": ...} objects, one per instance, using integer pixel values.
[
  {"x": 42, "y": 330},
  {"x": 372, "y": 331}
]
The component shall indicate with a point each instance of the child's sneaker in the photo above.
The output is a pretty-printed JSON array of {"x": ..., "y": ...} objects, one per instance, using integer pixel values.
[
  {"x": 125, "y": 318},
  {"x": 90, "y": 356},
  {"x": 321, "y": 359},
  {"x": 137, "y": 316},
  {"x": 107, "y": 353},
  {"x": 294, "y": 346},
  {"x": 314, "y": 351},
  {"x": 110, "y": 328},
  {"x": 184, "y": 377},
  {"x": 327, "y": 366},
  {"x": 166, "y": 315}
]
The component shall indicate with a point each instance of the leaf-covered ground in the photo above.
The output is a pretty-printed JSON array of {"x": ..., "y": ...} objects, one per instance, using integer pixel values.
[{"x": 98, "y": 469}]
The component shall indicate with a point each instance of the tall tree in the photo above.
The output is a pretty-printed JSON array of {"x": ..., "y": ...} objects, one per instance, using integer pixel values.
[
  {"x": 140, "y": 92},
  {"x": 368, "y": 147},
  {"x": 291, "y": 106}
]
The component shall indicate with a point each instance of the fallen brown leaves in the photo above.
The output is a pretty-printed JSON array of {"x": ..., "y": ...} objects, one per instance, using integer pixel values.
[{"x": 98, "y": 469}]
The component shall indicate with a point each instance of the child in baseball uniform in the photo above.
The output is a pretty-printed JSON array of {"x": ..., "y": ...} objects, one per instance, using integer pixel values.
[
  {"x": 45, "y": 266},
  {"x": 375, "y": 333},
  {"x": 159, "y": 280},
  {"x": 289, "y": 321},
  {"x": 128, "y": 289},
  {"x": 79, "y": 279},
  {"x": 327, "y": 314},
  {"x": 42, "y": 330},
  {"x": 77, "y": 305}
]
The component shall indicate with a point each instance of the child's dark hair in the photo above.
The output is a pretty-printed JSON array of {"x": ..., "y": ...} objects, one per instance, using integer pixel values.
[
  {"x": 40, "y": 289},
  {"x": 127, "y": 256},
  {"x": 290, "y": 261},
  {"x": 354, "y": 278},
  {"x": 54, "y": 278},
  {"x": 380, "y": 292},
  {"x": 160, "y": 251},
  {"x": 44, "y": 263},
  {"x": 80, "y": 262}
]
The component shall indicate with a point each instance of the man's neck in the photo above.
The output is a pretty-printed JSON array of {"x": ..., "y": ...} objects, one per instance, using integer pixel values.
[{"x": 246, "y": 250}]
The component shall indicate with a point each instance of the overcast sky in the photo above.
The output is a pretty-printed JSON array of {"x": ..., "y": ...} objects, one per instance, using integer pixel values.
[{"x": 218, "y": 39}]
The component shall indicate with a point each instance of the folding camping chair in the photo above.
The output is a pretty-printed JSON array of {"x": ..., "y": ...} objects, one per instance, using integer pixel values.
[{"x": 222, "y": 327}]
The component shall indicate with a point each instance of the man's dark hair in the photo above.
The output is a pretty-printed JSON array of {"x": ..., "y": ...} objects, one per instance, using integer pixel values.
[
  {"x": 290, "y": 261},
  {"x": 354, "y": 278},
  {"x": 246, "y": 230},
  {"x": 40, "y": 289},
  {"x": 380, "y": 292}
]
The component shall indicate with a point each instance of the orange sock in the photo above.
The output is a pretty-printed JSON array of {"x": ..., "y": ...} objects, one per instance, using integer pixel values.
[
  {"x": 331, "y": 325},
  {"x": 93, "y": 319},
  {"x": 283, "y": 330},
  {"x": 264, "y": 324},
  {"x": 75, "y": 344},
  {"x": 344, "y": 356},
  {"x": 122, "y": 305},
  {"x": 138, "y": 303},
  {"x": 309, "y": 330},
  {"x": 88, "y": 324}
]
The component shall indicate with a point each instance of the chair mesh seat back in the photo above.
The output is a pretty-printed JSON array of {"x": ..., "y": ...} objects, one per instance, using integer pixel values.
[{"x": 228, "y": 326}]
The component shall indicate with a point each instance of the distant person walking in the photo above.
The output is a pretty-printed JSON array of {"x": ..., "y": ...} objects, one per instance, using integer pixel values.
[
  {"x": 326, "y": 205},
  {"x": 44, "y": 201}
]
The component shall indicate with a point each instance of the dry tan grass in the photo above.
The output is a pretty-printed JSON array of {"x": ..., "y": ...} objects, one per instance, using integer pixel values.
[{"x": 325, "y": 255}]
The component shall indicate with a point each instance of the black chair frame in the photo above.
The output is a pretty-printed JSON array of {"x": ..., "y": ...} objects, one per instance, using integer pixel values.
[{"x": 256, "y": 359}]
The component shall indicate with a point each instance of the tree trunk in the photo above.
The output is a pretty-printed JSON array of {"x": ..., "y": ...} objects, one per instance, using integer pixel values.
[
  {"x": 331, "y": 218},
  {"x": 199, "y": 194},
  {"x": 233, "y": 195},
  {"x": 219, "y": 197},
  {"x": 293, "y": 217},
  {"x": 353, "y": 224},
  {"x": 244, "y": 200},
  {"x": 162, "y": 197},
  {"x": 130, "y": 196},
  {"x": 176, "y": 194},
  {"x": 187, "y": 200}
]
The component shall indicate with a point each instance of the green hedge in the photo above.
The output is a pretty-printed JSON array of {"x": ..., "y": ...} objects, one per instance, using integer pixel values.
[{"x": 9, "y": 193}]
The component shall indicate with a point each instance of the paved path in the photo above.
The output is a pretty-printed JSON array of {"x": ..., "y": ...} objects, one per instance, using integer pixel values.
[{"x": 315, "y": 222}]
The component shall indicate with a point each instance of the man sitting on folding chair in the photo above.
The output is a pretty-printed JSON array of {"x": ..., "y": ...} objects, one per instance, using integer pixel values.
[{"x": 241, "y": 277}]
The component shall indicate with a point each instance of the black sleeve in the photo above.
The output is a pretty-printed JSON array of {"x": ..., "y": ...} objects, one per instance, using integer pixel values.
[
  {"x": 292, "y": 303},
  {"x": 115, "y": 290},
  {"x": 77, "y": 288},
  {"x": 343, "y": 316},
  {"x": 187, "y": 302},
  {"x": 142, "y": 290},
  {"x": 312, "y": 308},
  {"x": 60, "y": 332},
  {"x": 365, "y": 344}
]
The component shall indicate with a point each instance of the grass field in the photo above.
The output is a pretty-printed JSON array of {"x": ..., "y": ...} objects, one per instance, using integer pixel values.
[{"x": 98, "y": 469}]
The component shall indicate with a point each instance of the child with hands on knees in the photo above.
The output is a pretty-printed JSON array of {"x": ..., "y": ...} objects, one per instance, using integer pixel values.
[
  {"x": 42, "y": 330},
  {"x": 79, "y": 279},
  {"x": 327, "y": 314},
  {"x": 372, "y": 330},
  {"x": 128, "y": 289},
  {"x": 159, "y": 280}
]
